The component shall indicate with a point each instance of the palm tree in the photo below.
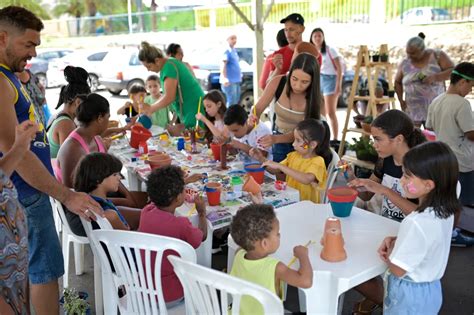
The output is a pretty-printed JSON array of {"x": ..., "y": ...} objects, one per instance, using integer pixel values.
[
  {"x": 30, "y": 5},
  {"x": 80, "y": 8}
]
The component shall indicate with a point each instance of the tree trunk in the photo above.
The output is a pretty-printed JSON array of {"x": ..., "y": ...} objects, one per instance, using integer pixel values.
[
  {"x": 153, "y": 7},
  {"x": 141, "y": 24},
  {"x": 92, "y": 11}
]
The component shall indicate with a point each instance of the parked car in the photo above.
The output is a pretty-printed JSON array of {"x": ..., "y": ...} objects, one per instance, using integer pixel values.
[
  {"x": 424, "y": 15},
  {"x": 120, "y": 69},
  {"x": 39, "y": 65},
  {"x": 207, "y": 69},
  {"x": 90, "y": 60}
]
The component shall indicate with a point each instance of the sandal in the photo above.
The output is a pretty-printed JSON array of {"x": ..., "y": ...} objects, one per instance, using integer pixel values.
[{"x": 365, "y": 307}]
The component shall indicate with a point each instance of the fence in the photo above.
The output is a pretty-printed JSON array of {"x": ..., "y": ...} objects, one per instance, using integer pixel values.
[{"x": 334, "y": 11}]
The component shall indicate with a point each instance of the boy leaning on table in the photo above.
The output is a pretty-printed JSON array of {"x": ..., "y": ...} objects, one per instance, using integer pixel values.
[{"x": 246, "y": 135}]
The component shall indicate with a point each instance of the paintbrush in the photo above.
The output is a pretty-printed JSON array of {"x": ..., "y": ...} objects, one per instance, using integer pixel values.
[{"x": 293, "y": 260}]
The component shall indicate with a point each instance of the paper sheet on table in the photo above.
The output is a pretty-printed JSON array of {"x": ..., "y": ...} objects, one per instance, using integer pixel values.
[{"x": 157, "y": 130}]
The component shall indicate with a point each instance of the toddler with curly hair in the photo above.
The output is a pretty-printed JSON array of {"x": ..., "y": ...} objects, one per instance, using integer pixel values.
[{"x": 256, "y": 229}]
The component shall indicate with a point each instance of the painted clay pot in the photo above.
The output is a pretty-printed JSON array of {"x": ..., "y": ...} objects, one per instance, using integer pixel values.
[
  {"x": 256, "y": 171},
  {"x": 341, "y": 200},
  {"x": 139, "y": 134},
  {"x": 216, "y": 151},
  {"x": 251, "y": 186},
  {"x": 213, "y": 192}
]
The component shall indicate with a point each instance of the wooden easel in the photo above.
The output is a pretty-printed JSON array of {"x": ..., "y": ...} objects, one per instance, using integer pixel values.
[{"x": 372, "y": 70}]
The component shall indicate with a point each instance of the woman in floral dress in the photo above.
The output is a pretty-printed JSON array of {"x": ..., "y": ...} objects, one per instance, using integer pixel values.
[
  {"x": 13, "y": 231},
  {"x": 421, "y": 76}
]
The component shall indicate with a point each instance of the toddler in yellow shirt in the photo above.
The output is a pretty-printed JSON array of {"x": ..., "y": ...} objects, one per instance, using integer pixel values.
[{"x": 305, "y": 168}]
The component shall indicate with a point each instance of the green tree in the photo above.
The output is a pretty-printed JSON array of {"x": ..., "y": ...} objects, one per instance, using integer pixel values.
[
  {"x": 31, "y": 5},
  {"x": 80, "y": 8}
]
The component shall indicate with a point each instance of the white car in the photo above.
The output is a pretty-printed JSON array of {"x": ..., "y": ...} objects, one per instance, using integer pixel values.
[
  {"x": 424, "y": 15},
  {"x": 121, "y": 69},
  {"x": 90, "y": 60}
]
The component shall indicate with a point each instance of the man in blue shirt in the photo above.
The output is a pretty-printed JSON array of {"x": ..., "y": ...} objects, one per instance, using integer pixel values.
[{"x": 231, "y": 75}]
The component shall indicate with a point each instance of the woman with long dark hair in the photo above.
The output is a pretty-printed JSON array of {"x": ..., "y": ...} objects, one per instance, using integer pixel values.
[{"x": 296, "y": 97}]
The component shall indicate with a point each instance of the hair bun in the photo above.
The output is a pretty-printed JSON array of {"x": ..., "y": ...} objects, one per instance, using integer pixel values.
[
  {"x": 76, "y": 75},
  {"x": 422, "y": 35}
]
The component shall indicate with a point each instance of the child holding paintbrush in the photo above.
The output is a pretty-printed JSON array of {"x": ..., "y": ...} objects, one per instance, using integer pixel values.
[
  {"x": 131, "y": 108},
  {"x": 256, "y": 229}
]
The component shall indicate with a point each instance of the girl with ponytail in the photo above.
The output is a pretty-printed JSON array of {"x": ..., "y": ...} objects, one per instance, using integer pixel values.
[{"x": 394, "y": 135}]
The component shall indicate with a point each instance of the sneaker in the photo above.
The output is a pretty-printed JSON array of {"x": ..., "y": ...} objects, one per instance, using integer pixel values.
[{"x": 461, "y": 240}]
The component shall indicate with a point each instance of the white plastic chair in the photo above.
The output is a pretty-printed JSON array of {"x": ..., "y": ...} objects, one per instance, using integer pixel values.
[
  {"x": 103, "y": 283},
  {"x": 70, "y": 237},
  {"x": 57, "y": 220},
  {"x": 142, "y": 295},
  {"x": 201, "y": 285},
  {"x": 331, "y": 175}
]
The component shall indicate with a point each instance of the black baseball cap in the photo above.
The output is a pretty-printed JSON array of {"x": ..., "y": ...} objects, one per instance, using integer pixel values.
[{"x": 295, "y": 18}]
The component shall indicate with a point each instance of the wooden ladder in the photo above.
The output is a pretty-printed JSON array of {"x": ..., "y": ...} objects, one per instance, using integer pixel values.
[{"x": 372, "y": 70}]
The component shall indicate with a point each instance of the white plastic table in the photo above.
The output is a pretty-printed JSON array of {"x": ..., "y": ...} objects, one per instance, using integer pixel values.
[{"x": 363, "y": 233}]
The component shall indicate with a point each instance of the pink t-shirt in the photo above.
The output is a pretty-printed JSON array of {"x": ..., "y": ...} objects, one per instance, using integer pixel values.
[{"x": 156, "y": 221}]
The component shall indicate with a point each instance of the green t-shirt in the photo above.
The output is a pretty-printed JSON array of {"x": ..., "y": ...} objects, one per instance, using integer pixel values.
[
  {"x": 161, "y": 117},
  {"x": 190, "y": 89},
  {"x": 261, "y": 272}
]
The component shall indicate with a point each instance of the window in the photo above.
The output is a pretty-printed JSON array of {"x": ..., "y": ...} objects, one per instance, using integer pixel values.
[{"x": 97, "y": 56}]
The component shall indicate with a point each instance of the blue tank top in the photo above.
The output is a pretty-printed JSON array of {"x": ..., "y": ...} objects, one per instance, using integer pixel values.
[{"x": 25, "y": 110}]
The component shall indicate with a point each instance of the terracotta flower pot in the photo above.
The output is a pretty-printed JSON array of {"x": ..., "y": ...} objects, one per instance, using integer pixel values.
[
  {"x": 331, "y": 223},
  {"x": 366, "y": 127},
  {"x": 113, "y": 124},
  {"x": 159, "y": 160},
  {"x": 251, "y": 186},
  {"x": 333, "y": 247}
]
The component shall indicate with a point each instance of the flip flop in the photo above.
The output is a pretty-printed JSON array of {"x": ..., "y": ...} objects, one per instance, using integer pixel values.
[{"x": 361, "y": 309}]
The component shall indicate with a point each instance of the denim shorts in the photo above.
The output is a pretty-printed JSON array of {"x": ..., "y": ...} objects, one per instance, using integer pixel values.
[
  {"x": 328, "y": 84},
  {"x": 45, "y": 256},
  {"x": 407, "y": 297},
  {"x": 467, "y": 188}
]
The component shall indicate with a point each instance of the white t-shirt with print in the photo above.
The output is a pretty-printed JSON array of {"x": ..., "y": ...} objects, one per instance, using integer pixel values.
[
  {"x": 422, "y": 245},
  {"x": 256, "y": 133},
  {"x": 450, "y": 116},
  {"x": 326, "y": 66}
]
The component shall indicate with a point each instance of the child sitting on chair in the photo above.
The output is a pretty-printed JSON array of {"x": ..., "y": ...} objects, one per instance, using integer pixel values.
[
  {"x": 165, "y": 187},
  {"x": 98, "y": 174},
  {"x": 305, "y": 168},
  {"x": 256, "y": 229}
]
